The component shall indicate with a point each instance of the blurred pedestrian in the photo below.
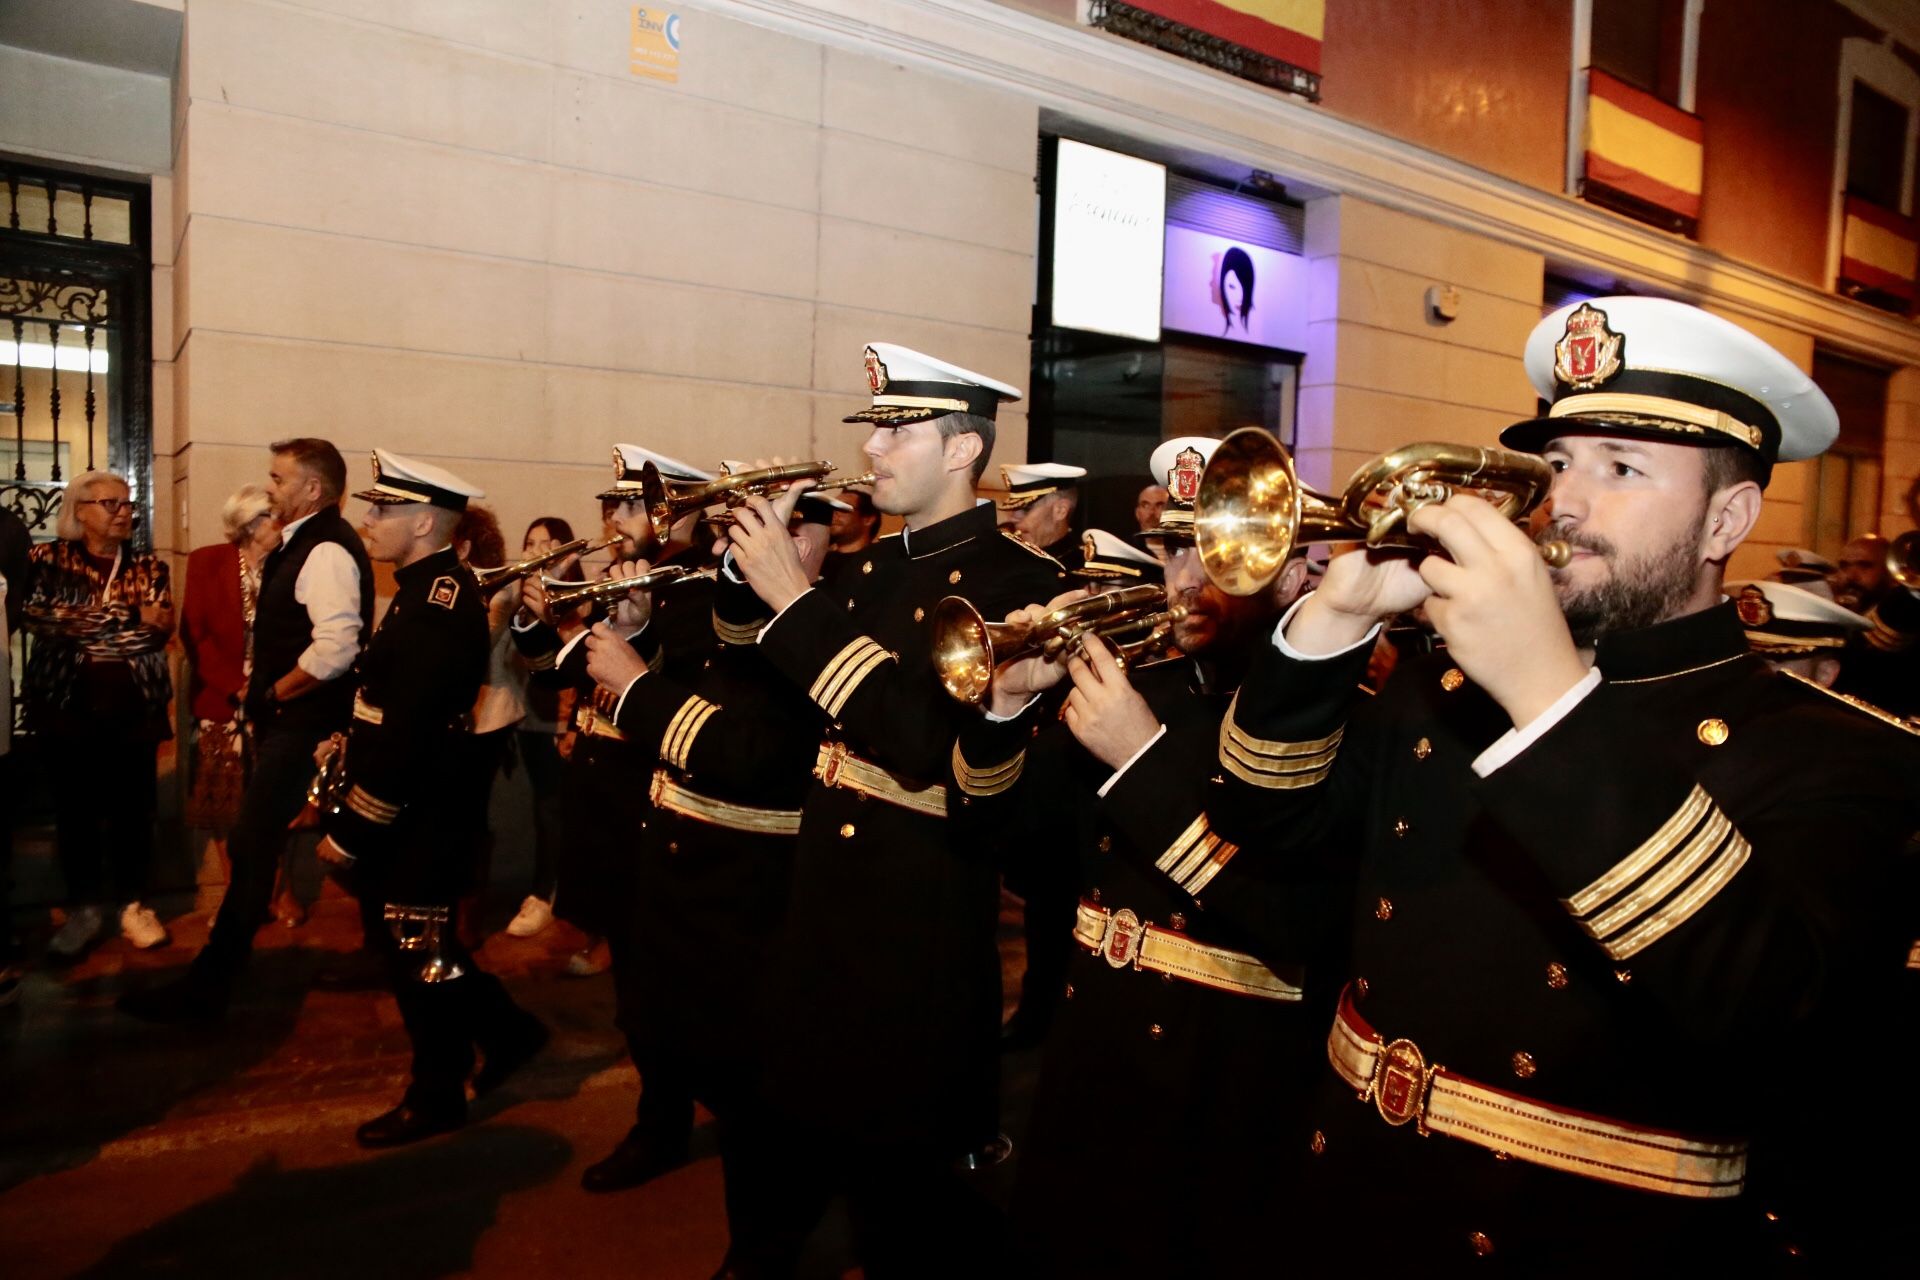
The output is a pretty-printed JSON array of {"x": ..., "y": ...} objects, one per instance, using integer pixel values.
[
  {"x": 97, "y": 688},
  {"x": 535, "y": 738}
]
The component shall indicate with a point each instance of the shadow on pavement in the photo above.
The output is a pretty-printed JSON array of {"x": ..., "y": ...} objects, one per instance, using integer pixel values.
[
  {"x": 98, "y": 1074},
  {"x": 416, "y": 1212}
]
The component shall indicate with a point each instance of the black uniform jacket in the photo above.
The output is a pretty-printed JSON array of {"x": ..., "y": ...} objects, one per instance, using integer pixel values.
[
  {"x": 731, "y": 745},
  {"x": 1654, "y": 914},
  {"x": 1198, "y": 1093},
  {"x": 604, "y": 788},
  {"x": 408, "y": 816},
  {"x": 1882, "y": 666},
  {"x": 886, "y": 988}
]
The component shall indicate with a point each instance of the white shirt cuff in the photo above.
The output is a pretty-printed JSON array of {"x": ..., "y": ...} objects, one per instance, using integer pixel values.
[
  {"x": 1146, "y": 747},
  {"x": 1287, "y": 650},
  {"x": 623, "y": 697},
  {"x": 1511, "y": 743},
  {"x": 776, "y": 617},
  {"x": 567, "y": 648},
  {"x": 726, "y": 569},
  {"x": 1016, "y": 715}
]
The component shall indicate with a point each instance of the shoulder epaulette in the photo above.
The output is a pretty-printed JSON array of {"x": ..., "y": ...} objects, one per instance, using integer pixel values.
[
  {"x": 1857, "y": 704},
  {"x": 1030, "y": 549}
]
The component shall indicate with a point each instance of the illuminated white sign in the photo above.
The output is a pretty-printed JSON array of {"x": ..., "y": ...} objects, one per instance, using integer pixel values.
[{"x": 1109, "y": 227}]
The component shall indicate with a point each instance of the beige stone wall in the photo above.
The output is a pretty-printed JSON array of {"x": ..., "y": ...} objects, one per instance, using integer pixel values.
[
  {"x": 468, "y": 232},
  {"x": 1902, "y": 456},
  {"x": 1378, "y": 372}
]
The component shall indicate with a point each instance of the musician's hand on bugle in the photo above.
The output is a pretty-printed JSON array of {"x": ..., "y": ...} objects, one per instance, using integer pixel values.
[
  {"x": 323, "y": 751},
  {"x": 764, "y": 553},
  {"x": 1360, "y": 589},
  {"x": 611, "y": 661},
  {"x": 1104, "y": 711},
  {"x": 631, "y": 612},
  {"x": 1015, "y": 683}
]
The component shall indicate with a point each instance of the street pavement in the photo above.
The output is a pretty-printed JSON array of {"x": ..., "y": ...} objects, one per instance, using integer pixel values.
[{"x": 130, "y": 1150}]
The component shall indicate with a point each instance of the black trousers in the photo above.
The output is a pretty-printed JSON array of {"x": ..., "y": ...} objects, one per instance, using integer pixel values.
[
  {"x": 445, "y": 1021},
  {"x": 544, "y": 776},
  {"x": 103, "y": 796},
  {"x": 277, "y": 791}
]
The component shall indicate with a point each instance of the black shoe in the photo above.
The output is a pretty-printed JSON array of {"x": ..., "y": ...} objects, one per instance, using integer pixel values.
[
  {"x": 181, "y": 1001},
  {"x": 361, "y": 970},
  {"x": 405, "y": 1124},
  {"x": 634, "y": 1162},
  {"x": 510, "y": 1054}
]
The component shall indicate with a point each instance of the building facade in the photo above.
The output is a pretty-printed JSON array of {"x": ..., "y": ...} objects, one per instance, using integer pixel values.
[{"x": 503, "y": 234}]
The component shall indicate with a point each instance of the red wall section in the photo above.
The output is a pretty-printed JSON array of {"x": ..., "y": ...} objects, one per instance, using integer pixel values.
[{"x": 1484, "y": 81}]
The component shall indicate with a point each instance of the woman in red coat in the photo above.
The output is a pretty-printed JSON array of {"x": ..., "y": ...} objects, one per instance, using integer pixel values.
[{"x": 216, "y": 628}]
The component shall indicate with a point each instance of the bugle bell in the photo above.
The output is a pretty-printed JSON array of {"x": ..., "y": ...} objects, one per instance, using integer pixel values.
[
  {"x": 967, "y": 648},
  {"x": 1251, "y": 510},
  {"x": 1903, "y": 559}
]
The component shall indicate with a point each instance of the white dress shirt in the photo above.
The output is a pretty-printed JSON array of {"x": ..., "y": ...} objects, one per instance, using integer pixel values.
[{"x": 329, "y": 586}]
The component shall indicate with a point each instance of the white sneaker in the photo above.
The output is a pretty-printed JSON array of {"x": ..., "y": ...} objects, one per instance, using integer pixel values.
[
  {"x": 82, "y": 926},
  {"x": 141, "y": 927},
  {"x": 534, "y": 916}
]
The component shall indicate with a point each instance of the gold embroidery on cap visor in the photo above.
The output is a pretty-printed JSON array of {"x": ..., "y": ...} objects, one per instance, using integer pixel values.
[{"x": 1656, "y": 413}]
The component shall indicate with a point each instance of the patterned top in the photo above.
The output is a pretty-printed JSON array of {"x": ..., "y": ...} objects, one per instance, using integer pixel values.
[{"x": 78, "y": 613}]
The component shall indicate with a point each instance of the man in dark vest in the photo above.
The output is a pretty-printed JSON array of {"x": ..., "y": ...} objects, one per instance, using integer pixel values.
[{"x": 314, "y": 610}]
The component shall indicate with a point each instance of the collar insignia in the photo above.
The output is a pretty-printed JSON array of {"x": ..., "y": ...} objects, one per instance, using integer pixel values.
[{"x": 1588, "y": 353}]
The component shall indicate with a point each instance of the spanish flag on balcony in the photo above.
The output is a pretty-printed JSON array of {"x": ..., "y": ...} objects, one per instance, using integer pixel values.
[
  {"x": 1644, "y": 157},
  {"x": 1289, "y": 31},
  {"x": 1879, "y": 254}
]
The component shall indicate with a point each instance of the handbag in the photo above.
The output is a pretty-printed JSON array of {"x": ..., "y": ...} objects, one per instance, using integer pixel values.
[{"x": 221, "y": 759}]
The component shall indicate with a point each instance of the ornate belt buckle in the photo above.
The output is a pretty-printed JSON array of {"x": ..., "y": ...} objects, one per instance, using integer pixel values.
[
  {"x": 1401, "y": 1081},
  {"x": 1123, "y": 939},
  {"x": 836, "y": 757}
]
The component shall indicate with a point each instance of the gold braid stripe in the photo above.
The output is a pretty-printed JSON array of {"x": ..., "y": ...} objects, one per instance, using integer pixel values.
[
  {"x": 376, "y": 811},
  {"x": 1675, "y": 870},
  {"x": 844, "y": 673},
  {"x": 1682, "y": 907},
  {"x": 677, "y": 744},
  {"x": 990, "y": 781},
  {"x": 736, "y": 633},
  {"x": 1255, "y": 771},
  {"x": 1642, "y": 860},
  {"x": 1196, "y": 856},
  {"x": 1676, "y": 415},
  {"x": 671, "y": 796}
]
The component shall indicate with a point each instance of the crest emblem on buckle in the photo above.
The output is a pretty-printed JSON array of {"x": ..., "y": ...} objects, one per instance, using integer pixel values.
[
  {"x": 830, "y": 774},
  {"x": 1123, "y": 938},
  {"x": 1400, "y": 1084},
  {"x": 876, "y": 371},
  {"x": 1588, "y": 353},
  {"x": 1754, "y": 608},
  {"x": 1183, "y": 477}
]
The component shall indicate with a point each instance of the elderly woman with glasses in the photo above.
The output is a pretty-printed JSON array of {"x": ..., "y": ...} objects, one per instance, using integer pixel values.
[{"x": 97, "y": 691}]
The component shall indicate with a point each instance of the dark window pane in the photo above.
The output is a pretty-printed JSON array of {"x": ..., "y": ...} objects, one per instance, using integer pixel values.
[
  {"x": 1877, "y": 149},
  {"x": 1859, "y": 395},
  {"x": 1640, "y": 42}
]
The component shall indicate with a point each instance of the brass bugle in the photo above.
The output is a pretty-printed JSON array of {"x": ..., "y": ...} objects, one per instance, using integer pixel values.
[
  {"x": 1903, "y": 559},
  {"x": 670, "y": 501},
  {"x": 501, "y": 574},
  {"x": 967, "y": 648},
  {"x": 1251, "y": 510},
  {"x": 568, "y": 595}
]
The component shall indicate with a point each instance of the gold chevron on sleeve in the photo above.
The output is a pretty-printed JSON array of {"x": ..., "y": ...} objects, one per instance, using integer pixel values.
[
  {"x": 841, "y": 676},
  {"x": 1196, "y": 856},
  {"x": 677, "y": 743},
  {"x": 1271, "y": 764},
  {"x": 989, "y": 781},
  {"x": 370, "y": 807},
  {"x": 1664, "y": 882}
]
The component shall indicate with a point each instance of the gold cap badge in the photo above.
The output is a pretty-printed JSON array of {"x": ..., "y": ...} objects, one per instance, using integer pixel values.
[{"x": 1588, "y": 353}]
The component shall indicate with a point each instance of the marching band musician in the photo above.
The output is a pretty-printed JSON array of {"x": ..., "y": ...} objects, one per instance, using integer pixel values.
[
  {"x": 885, "y": 993},
  {"x": 603, "y": 802},
  {"x": 404, "y": 822},
  {"x": 712, "y": 861},
  {"x": 1610, "y": 866},
  {"x": 1176, "y": 1055},
  {"x": 1039, "y": 504}
]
